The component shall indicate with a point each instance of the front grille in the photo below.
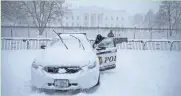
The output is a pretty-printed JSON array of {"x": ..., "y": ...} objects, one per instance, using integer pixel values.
[{"x": 68, "y": 70}]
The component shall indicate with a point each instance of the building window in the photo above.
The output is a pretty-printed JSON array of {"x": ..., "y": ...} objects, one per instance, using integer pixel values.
[
  {"x": 67, "y": 18},
  {"x": 112, "y": 18},
  {"x": 85, "y": 17},
  {"x": 72, "y": 17},
  {"x": 77, "y": 17},
  {"x": 117, "y": 18}
]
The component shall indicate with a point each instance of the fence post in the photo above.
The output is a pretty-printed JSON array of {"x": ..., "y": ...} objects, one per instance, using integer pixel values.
[
  {"x": 80, "y": 29},
  {"x": 134, "y": 32},
  {"x": 171, "y": 45},
  {"x": 63, "y": 28},
  {"x": 144, "y": 45},
  {"x": 27, "y": 44},
  {"x": 150, "y": 33},
  {"x": 46, "y": 33},
  {"x": 167, "y": 34},
  {"x": 28, "y": 31},
  {"x": 11, "y": 34}
]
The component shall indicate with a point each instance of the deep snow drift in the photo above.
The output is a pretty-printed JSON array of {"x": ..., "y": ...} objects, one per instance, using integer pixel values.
[{"x": 138, "y": 73}]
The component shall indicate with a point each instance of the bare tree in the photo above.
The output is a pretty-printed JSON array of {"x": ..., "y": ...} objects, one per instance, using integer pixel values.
[
  {"x": 44, "y": 12},
  {"x": 160, "y": 20},
  {"x": 11, "y": 12},
  {"x": 176, "y": 14},
  {"x": 149, "y": 19},
  {"x": 170, "y": 14}
]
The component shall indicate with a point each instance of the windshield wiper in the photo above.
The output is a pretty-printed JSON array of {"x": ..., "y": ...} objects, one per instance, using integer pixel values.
[
  {"x": 78, "y": 40},
  {"x": 60, "y": 38}
]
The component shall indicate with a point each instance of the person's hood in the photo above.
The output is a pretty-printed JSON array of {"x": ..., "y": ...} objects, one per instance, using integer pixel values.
[{"x": 58, "y": 56}]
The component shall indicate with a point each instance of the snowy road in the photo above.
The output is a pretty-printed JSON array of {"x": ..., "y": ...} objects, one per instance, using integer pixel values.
[{"x": 138, "y": 73}]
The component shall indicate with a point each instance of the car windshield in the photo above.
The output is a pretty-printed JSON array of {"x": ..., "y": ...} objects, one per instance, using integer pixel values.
[{"x": 71, "y": 42}]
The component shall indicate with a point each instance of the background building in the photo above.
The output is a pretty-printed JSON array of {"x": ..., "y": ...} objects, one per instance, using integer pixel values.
[{"x": 95, "y": 16}]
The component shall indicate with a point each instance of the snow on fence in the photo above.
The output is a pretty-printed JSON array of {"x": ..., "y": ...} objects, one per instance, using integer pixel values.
[
  {"x": 35, "y": 43},
  {"x": 20, "y": 43},
  {"x": 157, "y": 45},
  {"x": 136, "y": 45},
  {"x": 176, "y": 45}
]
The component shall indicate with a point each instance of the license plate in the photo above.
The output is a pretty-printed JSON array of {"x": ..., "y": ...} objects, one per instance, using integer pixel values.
[{"x": 62, "y": 83}]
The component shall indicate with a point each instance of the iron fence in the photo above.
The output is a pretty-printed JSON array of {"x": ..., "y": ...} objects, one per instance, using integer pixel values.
[
  {"x": 157, "y": 45},
  {"x": 136, "y": 45},
  {"x": 175, "y": 45},
  {"x": 129, "y": 32},
  {"x": 33, "y": 43}
]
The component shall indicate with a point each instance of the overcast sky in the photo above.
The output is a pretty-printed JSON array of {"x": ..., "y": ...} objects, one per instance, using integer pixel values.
[{"x": 131, "y": 7}]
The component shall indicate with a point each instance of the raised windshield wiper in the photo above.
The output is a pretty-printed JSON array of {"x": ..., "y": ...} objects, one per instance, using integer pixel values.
[
  {"x": 78, "y": 40},
  {"x": 60, "y": 38}
]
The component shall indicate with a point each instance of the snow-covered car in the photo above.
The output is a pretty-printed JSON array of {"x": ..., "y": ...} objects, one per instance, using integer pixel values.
[
  {"x": 106, "y": 51},
  {"x": 69, "y": 62}
]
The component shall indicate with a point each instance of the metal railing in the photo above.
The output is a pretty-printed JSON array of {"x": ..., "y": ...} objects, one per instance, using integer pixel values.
[
  {"x": 129, "y": 32},
  {"x": 34, "y": 43},
  {"x": 157, "y": 45},
  {"x": 136, "y": 45},
  {"x": 175, "y": 45},
  {"x": 17, "y": 44}
]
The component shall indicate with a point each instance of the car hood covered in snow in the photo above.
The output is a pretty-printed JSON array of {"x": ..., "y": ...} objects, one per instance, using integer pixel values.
[{"x": 60, "y": 56}]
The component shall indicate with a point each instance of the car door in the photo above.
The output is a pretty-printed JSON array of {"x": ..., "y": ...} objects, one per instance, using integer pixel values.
[{"x": 106, "y": 51}]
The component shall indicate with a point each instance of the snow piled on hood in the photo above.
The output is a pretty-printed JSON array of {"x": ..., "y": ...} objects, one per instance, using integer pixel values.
[
  {"x": 58, "y": 56},
  {"x": 76, "y": 54}
]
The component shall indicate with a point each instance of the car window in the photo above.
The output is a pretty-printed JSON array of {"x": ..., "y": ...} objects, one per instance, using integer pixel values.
[{"x": 108, "y": 43}]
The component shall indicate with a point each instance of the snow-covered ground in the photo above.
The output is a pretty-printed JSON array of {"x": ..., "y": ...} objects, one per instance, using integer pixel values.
[{"x": 138, "y": 73}]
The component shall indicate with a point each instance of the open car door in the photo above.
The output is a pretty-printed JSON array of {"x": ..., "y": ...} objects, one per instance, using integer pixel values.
[{"x": 106, "y": 51}]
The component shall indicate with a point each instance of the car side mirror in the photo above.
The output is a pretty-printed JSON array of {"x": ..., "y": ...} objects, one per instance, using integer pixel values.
[{"x": 43, "y": 46}]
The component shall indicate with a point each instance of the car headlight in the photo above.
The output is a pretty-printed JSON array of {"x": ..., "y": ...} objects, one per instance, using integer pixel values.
[
  {"x": 92, "y": 65},
  {"x": 100, "y": 60}
]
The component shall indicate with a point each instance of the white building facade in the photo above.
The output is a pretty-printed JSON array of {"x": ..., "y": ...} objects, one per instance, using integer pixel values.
[{"x": 95, "y": 17}]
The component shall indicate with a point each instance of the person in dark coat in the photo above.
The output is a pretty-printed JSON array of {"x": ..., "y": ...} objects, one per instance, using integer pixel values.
[
  {"x": 99, "y": 38},
  {"x": 110, "y": 34}
]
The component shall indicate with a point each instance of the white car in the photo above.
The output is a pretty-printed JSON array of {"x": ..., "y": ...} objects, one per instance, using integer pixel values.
[{"x": 69, "y": 62}]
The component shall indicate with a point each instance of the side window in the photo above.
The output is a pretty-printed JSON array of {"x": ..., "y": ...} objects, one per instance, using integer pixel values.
[{"x": 108, "y": 43}]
